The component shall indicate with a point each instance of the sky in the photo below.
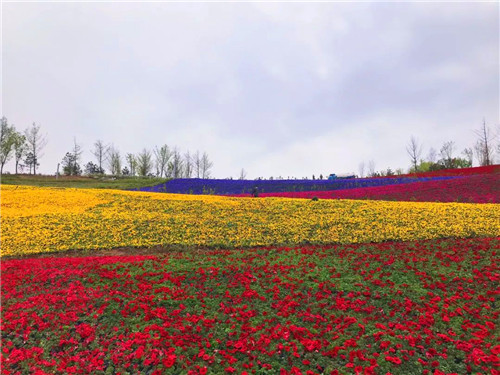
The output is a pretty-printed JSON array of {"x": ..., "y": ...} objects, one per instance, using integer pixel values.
[{"x": 279, "y": 89}]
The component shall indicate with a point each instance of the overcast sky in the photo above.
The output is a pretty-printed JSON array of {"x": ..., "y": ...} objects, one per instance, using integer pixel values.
[{"x": 290, "y": 89}]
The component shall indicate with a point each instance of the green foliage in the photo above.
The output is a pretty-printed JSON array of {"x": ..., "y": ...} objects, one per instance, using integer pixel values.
[
  {"x": 31, "y": 161},
  {"x": 20, "y": 147},
  {"x": 93, "y": 169},
  {"x": 7, "y": 142},
  {"x": 90, "y": 182},
  {"x": 70, "y": 165},
  {"x": 427, "y": 166}
]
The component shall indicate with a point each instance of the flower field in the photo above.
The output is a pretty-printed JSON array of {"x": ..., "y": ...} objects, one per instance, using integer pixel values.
[
  {"x": 242, "y": 187},
  {"x": 38, "y": 220},
  {"x": 422, "y": 307},
  {"x": 472, "y": 189},
  {"x": 384, "y": 278},
  {"x": 489, "y": 169},
  {"x": 232, "y": 187}
]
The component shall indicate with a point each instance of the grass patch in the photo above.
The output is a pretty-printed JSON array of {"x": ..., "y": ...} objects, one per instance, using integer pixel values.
[{"x": 97, "y": 182}]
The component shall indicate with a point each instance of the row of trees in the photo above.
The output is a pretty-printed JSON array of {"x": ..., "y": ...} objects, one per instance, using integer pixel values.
[
  {"x": 484, "y": 150},
  {"x": 162, "y": 161},
  {"x": 25, "y": 146}
]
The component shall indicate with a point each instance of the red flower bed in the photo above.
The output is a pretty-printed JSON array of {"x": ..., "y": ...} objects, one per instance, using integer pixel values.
[
  {"x": 472, "y": 189},
  {"x": 490, "y": 169},
  {"x": 425, "y": 307}
]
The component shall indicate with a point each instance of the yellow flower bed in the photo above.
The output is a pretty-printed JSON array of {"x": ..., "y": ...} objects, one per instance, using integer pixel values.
[{"x": 47, "y": 219}]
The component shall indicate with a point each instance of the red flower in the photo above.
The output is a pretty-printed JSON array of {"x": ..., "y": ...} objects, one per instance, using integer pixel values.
[
  {"x": 395, "y": 360},
  {"x": 169, "y": 361}
]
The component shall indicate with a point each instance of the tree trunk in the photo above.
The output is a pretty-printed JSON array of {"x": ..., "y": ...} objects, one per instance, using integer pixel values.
[{"x": 486, "y": 148}]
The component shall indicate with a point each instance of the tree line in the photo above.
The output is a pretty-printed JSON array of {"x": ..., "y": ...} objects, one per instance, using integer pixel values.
[
  {"x": 484, "y": 150},
  {"x": 161, "y": 161},
  {"x": 26, "y": 148}
]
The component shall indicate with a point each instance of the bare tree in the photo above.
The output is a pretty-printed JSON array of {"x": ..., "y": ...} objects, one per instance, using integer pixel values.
[
  {"x": 361, "y": 169},
  {"x": 498, "y": 139},
  {"x": 447, "y": 153},
  {"x": 144, "y": 163},
  {"x": 77, "y": 151},
  {"x": 197, "y": 164},
  {"x": 188, "y": 165},
  {"x": 206, "y": 166},
  {"x": 7, "y": 140},
  {"x": 132, "y": 163},
  {"x": 414, "y": 150},
  {"x": 483, "y": 147},
  {"x": 432, "y": 155},
  {"x": 162, "y": 156},
  {"x": 469, "y": 155},
  {"x": 176, "y": 164},
  {"x": 36, "y": 142},
  {"x": 243, "y": 174},
  {"x": 371, "y": 168},
  {"x": 115, "y": 161},
  {"x": 101, "y": 152}
]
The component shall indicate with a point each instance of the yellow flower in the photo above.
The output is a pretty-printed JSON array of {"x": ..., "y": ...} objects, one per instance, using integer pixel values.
[{"x": 49, "y": 219}]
